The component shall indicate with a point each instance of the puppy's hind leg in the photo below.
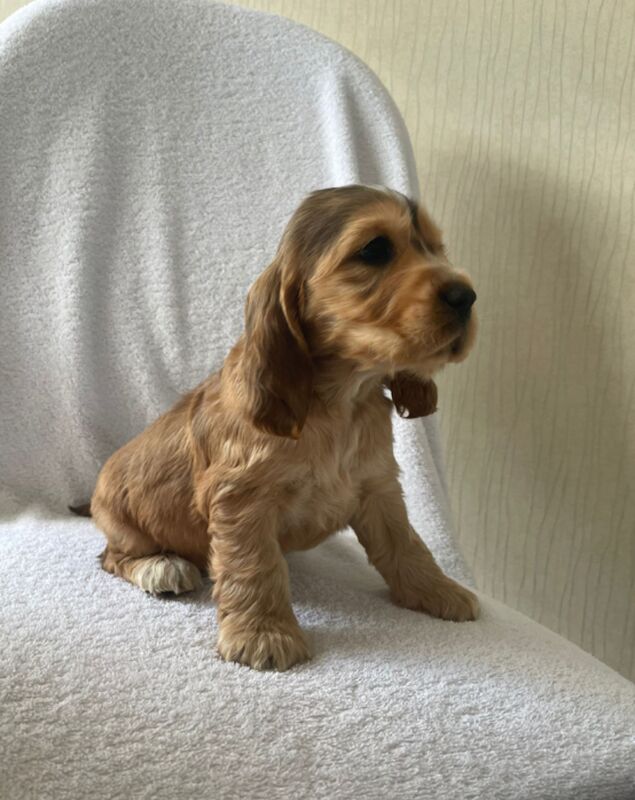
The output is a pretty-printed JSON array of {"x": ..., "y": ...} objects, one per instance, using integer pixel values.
[
  {"x": 158, "y": 574},
  {"x": 137, "y": 558}
]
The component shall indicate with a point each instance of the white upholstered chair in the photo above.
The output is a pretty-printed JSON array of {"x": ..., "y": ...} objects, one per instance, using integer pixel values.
[{"x": 150, "y": 154}]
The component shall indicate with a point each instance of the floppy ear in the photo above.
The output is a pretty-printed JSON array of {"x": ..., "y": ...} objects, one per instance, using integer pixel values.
[
  {"x": 278, "y": 367},
  {"x": 413, "y": 396}
]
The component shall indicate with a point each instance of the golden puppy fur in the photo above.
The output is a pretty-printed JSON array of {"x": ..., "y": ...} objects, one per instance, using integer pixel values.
[{"x": 292, "y": 441}]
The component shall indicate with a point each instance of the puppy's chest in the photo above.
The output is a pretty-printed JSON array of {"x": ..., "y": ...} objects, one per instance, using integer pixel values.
[{"x": 326, "y": 490}]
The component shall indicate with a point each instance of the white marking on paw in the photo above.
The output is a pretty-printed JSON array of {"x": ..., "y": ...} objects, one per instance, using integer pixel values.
[{"x": 166, "y": 573}]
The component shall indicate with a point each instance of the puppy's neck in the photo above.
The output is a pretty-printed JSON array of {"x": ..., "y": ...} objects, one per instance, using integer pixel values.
[{"x": 339, "y": 382}]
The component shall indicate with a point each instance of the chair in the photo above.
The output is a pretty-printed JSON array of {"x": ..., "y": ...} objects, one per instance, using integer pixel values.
[{"x": 150, "y": 154}]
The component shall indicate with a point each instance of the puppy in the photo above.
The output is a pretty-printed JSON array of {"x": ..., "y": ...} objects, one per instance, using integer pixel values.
[{"x": 291, "y": 440}]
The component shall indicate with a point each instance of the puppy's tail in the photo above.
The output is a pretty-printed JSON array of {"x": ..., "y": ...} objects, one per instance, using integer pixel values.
[{"x": 82, "y": 511}]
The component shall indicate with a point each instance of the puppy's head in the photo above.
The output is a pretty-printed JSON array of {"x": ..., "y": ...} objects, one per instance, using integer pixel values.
[{"x": 360, "y": 275}]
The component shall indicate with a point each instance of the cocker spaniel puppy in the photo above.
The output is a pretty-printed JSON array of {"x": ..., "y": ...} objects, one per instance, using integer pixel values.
[{"x": 291, "y": 440}]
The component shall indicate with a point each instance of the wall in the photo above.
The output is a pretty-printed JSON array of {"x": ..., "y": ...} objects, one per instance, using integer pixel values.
[{"x": 522, "y": 116}]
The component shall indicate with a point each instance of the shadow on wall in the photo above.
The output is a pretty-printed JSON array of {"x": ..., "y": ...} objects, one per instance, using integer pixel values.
[{"x": 540, "y": 424}]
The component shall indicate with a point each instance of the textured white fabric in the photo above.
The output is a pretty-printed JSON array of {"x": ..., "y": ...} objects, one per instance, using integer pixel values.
[
  {"x": 149, "y": 157},
  {"x": 110, "y": 693}
]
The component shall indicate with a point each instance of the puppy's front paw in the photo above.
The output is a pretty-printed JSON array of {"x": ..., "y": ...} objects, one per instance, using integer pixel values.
[
  {"x": 263, "y": 644},
  {"x": 442, "y": 598}
]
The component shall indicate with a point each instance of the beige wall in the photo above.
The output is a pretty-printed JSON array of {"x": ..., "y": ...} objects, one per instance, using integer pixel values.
[{"x": 522, "y": 117}]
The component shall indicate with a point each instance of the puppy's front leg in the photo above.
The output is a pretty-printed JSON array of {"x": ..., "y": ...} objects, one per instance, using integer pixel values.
[
  {"x": 257, "y": 625},
  {"x": 408, "y": 567}
]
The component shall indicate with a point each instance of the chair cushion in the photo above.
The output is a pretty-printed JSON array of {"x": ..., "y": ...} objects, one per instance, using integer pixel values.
[{"x": 109, "y": 692}]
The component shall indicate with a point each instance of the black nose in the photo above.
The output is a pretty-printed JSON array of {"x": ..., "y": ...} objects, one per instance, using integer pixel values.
[{"x": 458, "y": 296}]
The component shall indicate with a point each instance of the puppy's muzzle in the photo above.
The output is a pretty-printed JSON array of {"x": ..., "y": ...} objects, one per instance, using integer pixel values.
[{"x": 459, "y": 297}]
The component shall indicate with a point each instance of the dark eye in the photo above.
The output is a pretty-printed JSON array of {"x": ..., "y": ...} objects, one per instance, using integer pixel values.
[{"x": 378, "y": 252}]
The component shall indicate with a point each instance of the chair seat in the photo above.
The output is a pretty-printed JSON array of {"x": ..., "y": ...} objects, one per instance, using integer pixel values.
[{"x": 109, "y": 692}]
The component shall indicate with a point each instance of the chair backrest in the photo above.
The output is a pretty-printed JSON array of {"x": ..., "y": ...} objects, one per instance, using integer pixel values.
[{"x": 150, "y": 155}]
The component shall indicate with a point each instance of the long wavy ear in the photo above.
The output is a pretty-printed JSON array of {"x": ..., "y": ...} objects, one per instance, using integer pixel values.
[
  {"x": 413, "y": 396},
  {"x": 277, "y": 363}
]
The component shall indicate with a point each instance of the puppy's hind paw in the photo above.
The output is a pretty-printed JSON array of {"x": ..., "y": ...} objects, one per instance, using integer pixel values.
[{"x": 166, "y": 573}]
